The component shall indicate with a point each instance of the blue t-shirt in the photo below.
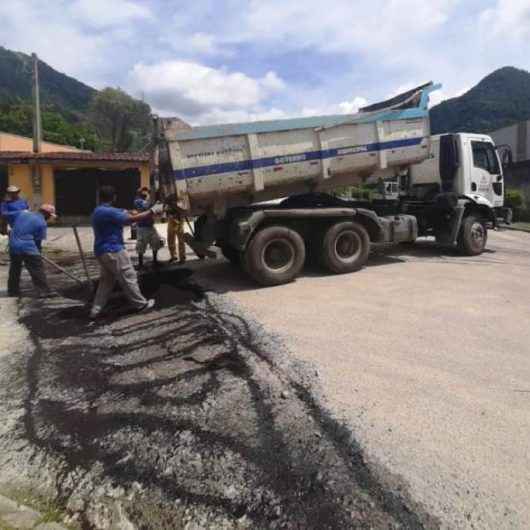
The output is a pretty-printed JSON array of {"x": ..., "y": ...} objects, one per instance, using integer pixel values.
[
  {"x": 29, "y": 229},
  {"x": 108, "y": 223},
  {"x": 143, "y": 205},
  {"x": 9, "y": 209}
]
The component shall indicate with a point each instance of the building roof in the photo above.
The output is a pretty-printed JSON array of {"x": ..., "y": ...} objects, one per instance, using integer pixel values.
[
  {"x": 80, "y": 156},
  {"x": 26, "y": 143}
]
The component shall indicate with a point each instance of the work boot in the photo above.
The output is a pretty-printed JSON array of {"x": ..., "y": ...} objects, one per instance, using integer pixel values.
[
  {"x": 47, "y": 294},
  {"x": 148, "y": 306}
]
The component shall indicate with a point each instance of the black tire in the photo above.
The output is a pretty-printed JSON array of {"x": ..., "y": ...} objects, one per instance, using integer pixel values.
[
  {"x": 231, "y": 254},
  {"x": 345, "y": 247},
  {"x": 274, "y": 256},
  {"x": 473, "y": 236}
]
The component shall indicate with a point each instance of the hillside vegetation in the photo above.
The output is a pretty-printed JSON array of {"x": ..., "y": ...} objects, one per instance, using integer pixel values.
[
  {"x": 76, "y": 114},
  {"x": 72, "y": 113},
  {"x": 500, "y": 99}
]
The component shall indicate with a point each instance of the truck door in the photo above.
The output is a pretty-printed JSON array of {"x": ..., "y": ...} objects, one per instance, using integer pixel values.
[{"x": 486, "y": 174}]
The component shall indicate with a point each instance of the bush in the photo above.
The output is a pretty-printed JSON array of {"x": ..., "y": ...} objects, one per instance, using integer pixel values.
[
  {"x": 522, "y": 215},
  {"x": 353, "y": 192},
  {"x": 514, "y": 199}
]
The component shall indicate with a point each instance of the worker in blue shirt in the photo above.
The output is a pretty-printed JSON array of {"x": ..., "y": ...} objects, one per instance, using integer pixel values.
[
  {"x": 109, "y": 248},
  {"x": 146, "y": 233},
  {"x": 12, "y": 205},
  {"x": 25, "y": 240}
]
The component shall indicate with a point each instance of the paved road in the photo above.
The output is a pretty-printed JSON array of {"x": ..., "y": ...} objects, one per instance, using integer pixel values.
[
  {"x": 186, "y": 417},
  {"x": 427, "y": 356}
]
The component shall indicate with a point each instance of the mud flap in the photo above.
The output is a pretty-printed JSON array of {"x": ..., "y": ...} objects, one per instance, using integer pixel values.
[
  {"x": 200, "y": 248},
  {"x": 449, "y": 237}
]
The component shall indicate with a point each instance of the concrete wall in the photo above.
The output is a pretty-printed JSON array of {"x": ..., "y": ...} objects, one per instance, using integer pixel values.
[
  {"x": 20, "y": 175},
  {"x": 517, "y": 136},
  {"x": 14, "y": 142}
]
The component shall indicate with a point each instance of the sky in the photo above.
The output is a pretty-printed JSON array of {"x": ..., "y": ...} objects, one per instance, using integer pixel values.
[{"x": 215, "y": 61}]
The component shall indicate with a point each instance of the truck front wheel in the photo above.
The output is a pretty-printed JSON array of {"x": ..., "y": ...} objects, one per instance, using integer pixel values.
[
  {"x": 275, "y": 255},
  {"x": 345, "y": 247},
  {"x": 473, "y": 236}
]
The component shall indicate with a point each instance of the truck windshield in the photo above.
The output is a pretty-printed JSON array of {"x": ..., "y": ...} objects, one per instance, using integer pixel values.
[{"x": 484, "y": 157}]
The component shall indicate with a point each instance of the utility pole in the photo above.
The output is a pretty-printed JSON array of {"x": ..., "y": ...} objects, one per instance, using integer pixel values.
[{"x": 37, "y": 133}]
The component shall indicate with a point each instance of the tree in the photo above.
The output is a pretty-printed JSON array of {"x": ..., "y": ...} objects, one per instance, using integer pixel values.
[
  {"x": 18, "y": 119},
  {"x": 123, "y": 123}
]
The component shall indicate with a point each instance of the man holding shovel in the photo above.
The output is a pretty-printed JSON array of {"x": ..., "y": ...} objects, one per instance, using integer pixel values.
[{"x": 25, "y": 240}]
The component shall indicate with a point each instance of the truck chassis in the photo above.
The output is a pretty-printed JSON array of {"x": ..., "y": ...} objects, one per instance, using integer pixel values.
[{"x": 273, "y": 242}]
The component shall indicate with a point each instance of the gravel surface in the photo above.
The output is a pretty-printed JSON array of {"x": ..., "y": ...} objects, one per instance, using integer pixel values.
[
  {"x": 190, "y": 416},
  {"x": 426, "y": 356}
]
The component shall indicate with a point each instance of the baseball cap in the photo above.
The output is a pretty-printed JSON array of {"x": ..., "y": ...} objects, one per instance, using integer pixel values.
[
  {"x": 13, "y": 189},
  {"x": 49, "y": 209}
]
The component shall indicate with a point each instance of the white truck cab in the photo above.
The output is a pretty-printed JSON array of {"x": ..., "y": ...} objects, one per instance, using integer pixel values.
[{"x": 466, "y": 164}]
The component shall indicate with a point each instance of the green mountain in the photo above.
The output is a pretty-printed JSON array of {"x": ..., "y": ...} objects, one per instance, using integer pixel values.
[
  {"x": 58, "y": 91},
  {"x": 500, "y": 99},
  {"x": 72, "y": 112}
]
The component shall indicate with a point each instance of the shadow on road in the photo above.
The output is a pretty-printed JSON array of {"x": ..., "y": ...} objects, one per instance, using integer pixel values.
[
  {"x": 188, "y": 403},
  {"x": 220, "y": 276}
]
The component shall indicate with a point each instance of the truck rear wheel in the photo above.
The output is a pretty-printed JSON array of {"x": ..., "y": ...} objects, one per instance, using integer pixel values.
[
  {"x": 275, "y": 255},
  {"x": 473, "y": 236},
  {"x": 345, "y": 247}
]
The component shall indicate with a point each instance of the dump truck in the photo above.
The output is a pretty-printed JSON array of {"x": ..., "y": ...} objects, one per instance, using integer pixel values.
[{"x": 261, "y": 191}]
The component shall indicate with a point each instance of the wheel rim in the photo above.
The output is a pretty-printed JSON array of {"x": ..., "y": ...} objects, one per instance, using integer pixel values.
[
  {"x": 348, "y": 246},
  {"x": 278, "y": 255},
  {"x": 478, "y": 235}
]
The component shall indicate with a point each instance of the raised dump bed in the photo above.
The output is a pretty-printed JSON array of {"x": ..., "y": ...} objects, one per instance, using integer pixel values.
[{"x": 221, "y": 166}]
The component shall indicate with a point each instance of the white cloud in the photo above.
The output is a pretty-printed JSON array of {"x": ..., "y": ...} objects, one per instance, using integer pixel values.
[
  {"x": 345, "y": 26},
  {"x": 344, "y": 107},
  {"x": 348, "y": 47},
  {"x": 272, "y": 82},
  {"x": 353, "y": 106},
  {"x": 203, "y": 43},
  {"x": 217, "y": 115},
  {"x": 506, "y": 20},
  {"x": 195, "y": 90},
  {"x": 100, "y": 14}
]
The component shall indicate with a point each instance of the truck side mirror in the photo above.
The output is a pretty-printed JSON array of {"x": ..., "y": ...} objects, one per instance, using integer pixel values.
[
  {"x": 505, "y": 154},
  {"x": 448, "y": 161}
]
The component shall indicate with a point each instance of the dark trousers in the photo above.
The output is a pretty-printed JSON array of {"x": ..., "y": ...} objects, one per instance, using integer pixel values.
[{"x": 32, "y": 262}]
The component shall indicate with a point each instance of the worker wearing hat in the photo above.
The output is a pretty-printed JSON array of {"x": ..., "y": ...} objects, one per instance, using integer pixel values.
[
  {"x": 146, "y": 233},
  {"x": 25, "y": 240},
  {"x": 13, "y": 204}
]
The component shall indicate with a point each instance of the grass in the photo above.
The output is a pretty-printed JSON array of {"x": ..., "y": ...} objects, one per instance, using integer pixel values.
[
  {"x": 525, "y": 227},
  {"x": 49, "y": 509}
]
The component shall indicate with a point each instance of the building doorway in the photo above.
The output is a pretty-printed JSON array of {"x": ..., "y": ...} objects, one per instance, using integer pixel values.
[
  {"x": 77, "y": 190},
  {"x": 3, "y": 181}
]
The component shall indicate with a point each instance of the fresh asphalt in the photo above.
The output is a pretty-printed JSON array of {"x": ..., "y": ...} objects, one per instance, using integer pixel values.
[
  {"x": 189, "y": 416},
  {"x": 392, "y": 397}
]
